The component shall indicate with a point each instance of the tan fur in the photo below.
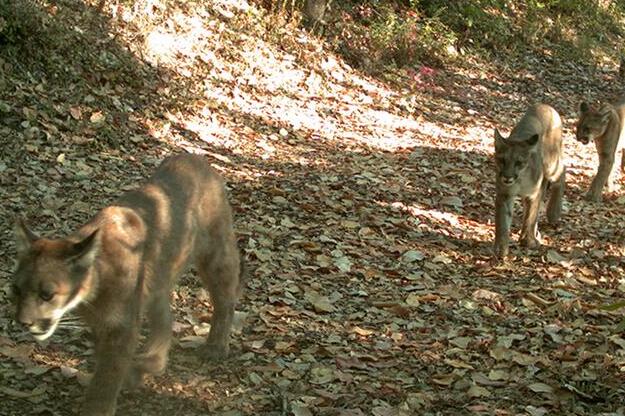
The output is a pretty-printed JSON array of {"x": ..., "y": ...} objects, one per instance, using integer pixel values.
[
  {"x": 527, "y": 162},
  {"x": 123, "y": 263},
  {"x": 603, "y": 124}
]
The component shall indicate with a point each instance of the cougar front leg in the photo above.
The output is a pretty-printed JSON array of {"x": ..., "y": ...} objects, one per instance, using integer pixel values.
[
  {"x": 154, "y": 359},
  {"x": 556, "y": 194},
  {"x": 529, "y": 232},
  {"x": 503, "y": 220},
  {"x": 601, "y": 178},
  {"x": 114, "y": 351}
]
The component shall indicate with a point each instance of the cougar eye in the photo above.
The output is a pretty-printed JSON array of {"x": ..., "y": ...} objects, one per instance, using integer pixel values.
[
  {"x": 518, "y": 163},
  {"x": 46, "y": 296}
]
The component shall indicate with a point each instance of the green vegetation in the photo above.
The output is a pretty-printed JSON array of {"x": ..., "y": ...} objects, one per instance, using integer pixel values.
[
  {"x": 23, "y": 28},
  {"x": 438, "y": 31},
  {"x": 376, "y": 33}
]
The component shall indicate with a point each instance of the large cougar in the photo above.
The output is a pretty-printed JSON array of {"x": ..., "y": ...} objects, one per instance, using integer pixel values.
[
  {"x": 125, "y": 261},
  {"x": 527, "y": 162}
]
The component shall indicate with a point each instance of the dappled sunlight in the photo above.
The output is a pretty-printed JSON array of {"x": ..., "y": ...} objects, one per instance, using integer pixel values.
[
  {"x": 208, "y": 129},
  {"x": 358, "y": 118},
  {"x": 161, "y": 204},
  {"x": 161, "y": 47},
  {"x": 445, "y": 218},
  {"x": 164, "y": 45},
  {"x": 482, "y": 137},
  {"x": 363, "y": 204},
  {"x": 328, "y": 100},
  {"x": 273, "y": 71},
  {"x": 224, "y": 164}
]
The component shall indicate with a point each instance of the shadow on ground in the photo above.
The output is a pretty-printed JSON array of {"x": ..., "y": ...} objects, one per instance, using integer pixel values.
[{"x": 320, "y": 218}]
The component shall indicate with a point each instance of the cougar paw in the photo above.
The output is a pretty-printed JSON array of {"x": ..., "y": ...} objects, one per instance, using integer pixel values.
[
  {"x": 500, "y": 251},
  {"x": 530, "y": 242},
  {"x": 214, "y": 352},
  {"x": 134, "y": 379},
  {"x": 593, "y": 197},
  {"x": 553, "y": 219},
  {"x": 90, "y": 409}
]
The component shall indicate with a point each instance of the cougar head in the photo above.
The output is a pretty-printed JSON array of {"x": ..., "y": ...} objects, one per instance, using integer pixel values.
[
  {"x": 512, "y": 157},
  {"x": 592, "y": 122},
  {"x": 51, "y": 278}
]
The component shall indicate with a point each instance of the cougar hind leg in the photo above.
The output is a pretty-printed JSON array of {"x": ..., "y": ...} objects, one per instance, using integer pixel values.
[
  {"x": 220, "y": 274},
  {"x": 606, "y": 163},
  {"x": 556, "y": 195}
]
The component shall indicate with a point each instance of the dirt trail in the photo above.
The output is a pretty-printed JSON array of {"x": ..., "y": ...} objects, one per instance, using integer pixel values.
[{"x": 365, "y": 210}]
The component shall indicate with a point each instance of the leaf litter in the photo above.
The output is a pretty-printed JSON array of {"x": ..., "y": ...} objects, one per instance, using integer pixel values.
[{"x": 367, "y": 225}]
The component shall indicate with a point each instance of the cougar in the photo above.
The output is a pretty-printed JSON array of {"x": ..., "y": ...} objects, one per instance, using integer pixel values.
[
  {"x": 603, "y": 124},
  {"x": 124, "y": 262},
  {"x": 527, "y": 162}
]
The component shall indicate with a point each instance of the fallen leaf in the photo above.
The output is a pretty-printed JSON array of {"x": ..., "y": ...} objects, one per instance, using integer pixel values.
[
  {"x": 540, "y": 388},
  {"x": 97, "y": 117},
  {"x": 453, "y": 201},
  {"x": 362, "y": 332},
  {"x": 322, "y": 375},
  {"x": 461, "y": 342},
  {"x": 300, "y": 410},
  {"x": 76, "y": 112},
  {"x": 477, "y": 391},
  {"x": 323, "y": 304},
  {"x": 411, "y": 256}
]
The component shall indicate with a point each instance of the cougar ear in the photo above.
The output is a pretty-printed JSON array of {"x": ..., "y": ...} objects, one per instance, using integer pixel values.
[
  {"x": 84, "y": 252},
  {"x": 605, "y": 110},
  {"x": 499, "y": 140},
  {"x": 584, "y": 107},
  {"x": 24, "y": 237},
  {"x": 532, "y": 140}
]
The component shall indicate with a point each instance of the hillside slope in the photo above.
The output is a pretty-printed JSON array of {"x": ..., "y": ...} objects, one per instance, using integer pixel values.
[{"x": 364, "y": 206}]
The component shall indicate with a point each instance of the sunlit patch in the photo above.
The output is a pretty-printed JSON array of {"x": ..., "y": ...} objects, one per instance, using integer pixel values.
[
  {"x": 165, "y": 46},
  {"x": 446, "y": 219},
  {"x": 481, "y": 135},
  {"x": 366, "y": 109},
  {"x": 161, "y": 47},
  {"x": 208, "y": 129},
  {"x": 326, "y": 100}
]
